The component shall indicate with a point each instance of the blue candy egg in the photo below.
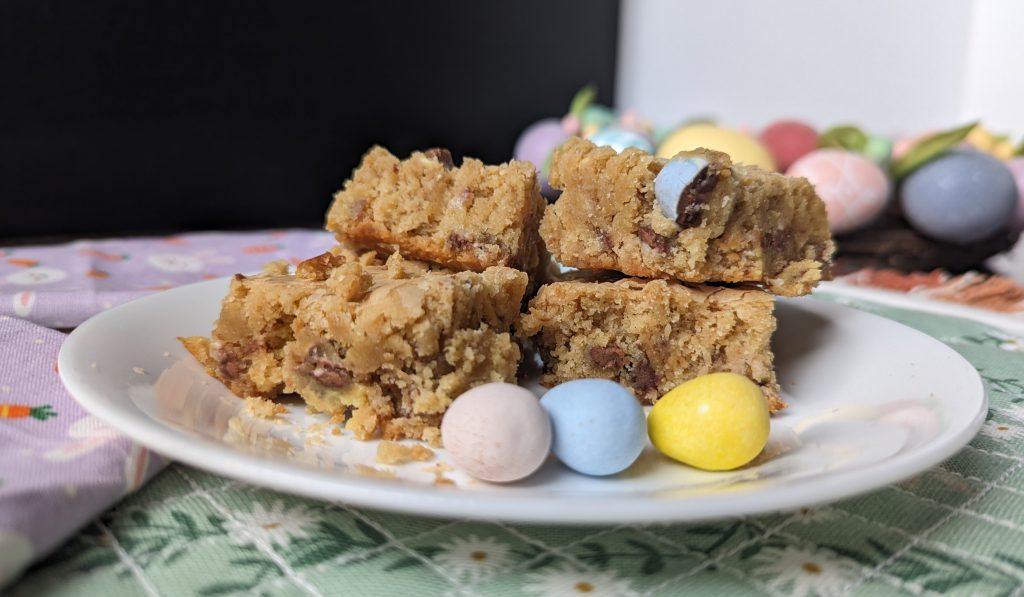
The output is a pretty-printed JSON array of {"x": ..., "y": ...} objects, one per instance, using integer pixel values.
[
  {"x": 619, "y": 138},
  {"x": 962, "y": 197},
  {"x": 598, "y": 427}
]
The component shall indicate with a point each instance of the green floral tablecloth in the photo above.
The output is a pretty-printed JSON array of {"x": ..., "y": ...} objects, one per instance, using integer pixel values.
[{"x": 956, "y": 529}]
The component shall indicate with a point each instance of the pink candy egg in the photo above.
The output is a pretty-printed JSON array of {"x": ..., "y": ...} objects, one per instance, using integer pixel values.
[
  {"x": 497, "y": 432},
  {"x": 1016, "y": 166},
  {"x": 854, "y": 189},
  {"x": 788, "y": 141}
]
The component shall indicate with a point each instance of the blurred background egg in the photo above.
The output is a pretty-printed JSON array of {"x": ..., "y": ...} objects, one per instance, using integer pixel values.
[
  {"x": 788, "y": 141},
  {"x": 961, "y": 197},
  {"x": 1016, "y": 167},
  {"x": 855, "y": 190},
  {"x": 619, "y": 138},
  {"x": 742, "y": 148},
  {"x": 536, "y": 143}
]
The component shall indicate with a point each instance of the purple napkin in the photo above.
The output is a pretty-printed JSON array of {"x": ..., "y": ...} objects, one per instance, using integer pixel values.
[
  {"x": 59, "y": 466},
  {"x": 61, "y": 286}
]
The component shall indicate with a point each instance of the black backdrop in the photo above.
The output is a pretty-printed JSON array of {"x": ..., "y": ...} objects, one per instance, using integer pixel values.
[{"x": 124, "y": 117}]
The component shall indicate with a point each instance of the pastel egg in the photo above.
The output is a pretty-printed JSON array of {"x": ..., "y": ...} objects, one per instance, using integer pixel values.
[
  {"x": 497, "y": 432},
  {"x": 878, "y": 149},
  {"x": 596, "y": 117},
  {"x": 855, "y": 189},
  {"x": 961, "y": 197},
  {"x": 1016, "y": 167},
  {"x": 788, "y": 141},
  {"x": 598, "y": 426},
  {"x": 536, "y": 143},
  {"x": 619, "y": 138},
  {"x": 715, "y": 422},
  {"x": 743, "y": 149}
]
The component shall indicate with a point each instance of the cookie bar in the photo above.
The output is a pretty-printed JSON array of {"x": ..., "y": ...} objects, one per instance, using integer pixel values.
[
  {"x": 391, "y": 347},
  {"x": 386, "y": 346},
  {"x": 730, "y": 223},
  {"x": 652, "y": 335},
  {"x": 470, "y": 217}
]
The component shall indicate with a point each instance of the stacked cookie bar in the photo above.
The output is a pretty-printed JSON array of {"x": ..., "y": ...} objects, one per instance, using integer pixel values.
[
  {"x": 415, "y": 305},
  {"x": 682, "y": 228},
  {"x": 420, "y": 300}
]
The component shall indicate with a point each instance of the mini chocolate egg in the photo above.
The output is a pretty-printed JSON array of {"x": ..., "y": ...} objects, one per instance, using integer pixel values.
[
  {"x": 673, "y": 180},
  {"x": 788, "y": 141},
  {"x": 497, "y": 432},
  {"x": 619, "y": 138},
  {"x": 715, "y": 422},
  {"x": 1016, "y": 167},
  {"x": 536, "y": 143},
  {"x": 598, "y": 426},
  {"x": 743, "y": 149},
  {"x": 855, "y": 190},
  {"x": 961, "y": 197}
]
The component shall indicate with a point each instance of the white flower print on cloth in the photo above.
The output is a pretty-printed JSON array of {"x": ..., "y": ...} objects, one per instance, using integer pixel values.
[
  {"x": 191, "y": 262},
  {"x": 276, "y": 526},
  {"x": 562, "y": 582},
  {"x": 472, "y": 558},
  {"x": 1008, "y": 342},
  {"x": 997, "y": 430},
  {"x": 1015, "y": 412},
  {"x": 34, "y": 276},
  {"x": 803, "y": 572}
]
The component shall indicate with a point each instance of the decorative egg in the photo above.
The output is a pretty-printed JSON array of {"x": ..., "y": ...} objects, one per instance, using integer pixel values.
[
  {"x": 497, "y": 432},
  {"x": 594, "y": 118},
  {"x": 788, "y": 141},
  {"x": 855, "y": 189},
  {"x": 743, "y": 149},
  {"x": 714, "y": 422},
  {"x": 961, "y": 197},
  {"x": 878, "y": 149},
  {"x": 619, "y": 138},
  {"x": 983, "y": 140},
  {"x": 1016, "y": 167},
  {"x": 536, "y": 143},
  {"x": 598, "y": 426}
]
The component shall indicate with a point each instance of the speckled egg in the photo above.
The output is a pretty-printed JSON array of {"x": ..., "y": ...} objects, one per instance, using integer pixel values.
[
  {"x": 619, "y": 138},
  {"x": 598, "y": 426},
  {"x": 788, "y": 141},
  {"x": 715, "y": 422},
  {"x": 961, "y": 197},
  {"x": 1016, "y": 167},
  {"x": 855, "y": 190},
  {"x": 536, "y": 143},
  {"x": 497, "y": 432},
  {"x": 741, "y": 148}
]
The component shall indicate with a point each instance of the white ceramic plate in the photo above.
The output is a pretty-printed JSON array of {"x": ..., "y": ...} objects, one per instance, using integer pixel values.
[{"x": 871, "y": 402}]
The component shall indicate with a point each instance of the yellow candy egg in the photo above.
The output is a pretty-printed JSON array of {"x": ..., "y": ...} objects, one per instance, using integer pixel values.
[
  {"x": 741, "y": 148},
  {"x": 715, "y": 422}
]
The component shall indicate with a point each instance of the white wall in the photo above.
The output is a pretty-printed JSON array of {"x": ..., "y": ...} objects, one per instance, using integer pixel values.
[{"x": 894, "y": 67}]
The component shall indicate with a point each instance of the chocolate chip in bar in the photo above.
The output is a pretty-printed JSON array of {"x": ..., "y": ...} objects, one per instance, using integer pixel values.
[
  {"x": 653, "y": 240},
  {"x": 692, "y": 201},
  {"x": 442, "y": 155},
  {"x": 609, "y": 357}
]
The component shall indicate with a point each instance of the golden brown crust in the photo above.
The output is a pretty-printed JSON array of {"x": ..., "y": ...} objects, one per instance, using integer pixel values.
[
  {"x": 753, "y": 226},
  {"x": 384, "y": 347},
  {"x": 652, "y": 335},
  {"x": 471, "y": 217}
]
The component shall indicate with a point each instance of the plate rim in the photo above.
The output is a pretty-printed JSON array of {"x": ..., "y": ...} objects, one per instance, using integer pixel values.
[{"x": 518, "y": 506}]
